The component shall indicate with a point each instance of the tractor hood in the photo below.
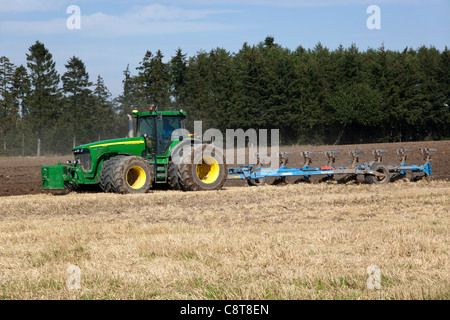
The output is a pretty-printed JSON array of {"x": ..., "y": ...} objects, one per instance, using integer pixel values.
[
  {"x": 112, "y": 143},
  {"x": 123, "y": 145}
]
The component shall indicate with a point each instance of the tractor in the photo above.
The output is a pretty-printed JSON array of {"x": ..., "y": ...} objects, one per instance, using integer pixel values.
[{"x": 144, "y": 158}]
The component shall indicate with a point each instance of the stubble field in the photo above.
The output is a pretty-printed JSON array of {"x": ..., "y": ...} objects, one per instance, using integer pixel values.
[{"x": 294, "y": 241}]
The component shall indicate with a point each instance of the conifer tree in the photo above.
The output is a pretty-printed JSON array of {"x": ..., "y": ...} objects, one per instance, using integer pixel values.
[
  {"x": 77, "y": 110},
  {"x": 45, "y": 95},
  {"x": 8, "y": 109},
  {"x": 153, "y": 80}
]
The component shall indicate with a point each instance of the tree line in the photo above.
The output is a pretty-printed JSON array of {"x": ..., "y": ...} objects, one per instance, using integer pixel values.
[
  {"x": 43, "y": 112},
  {"x": 313, "y": 96}
]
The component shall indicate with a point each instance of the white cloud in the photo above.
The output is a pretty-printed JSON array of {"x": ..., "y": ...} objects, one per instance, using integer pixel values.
[
  {"x": 157, "y": 12},
  {"x": 147, "y": 20}
]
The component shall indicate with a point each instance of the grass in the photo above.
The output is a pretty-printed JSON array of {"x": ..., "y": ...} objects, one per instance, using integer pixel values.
[{"x": 275, "y": 242}]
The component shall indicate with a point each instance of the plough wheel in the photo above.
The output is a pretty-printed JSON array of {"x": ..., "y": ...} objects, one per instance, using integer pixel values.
[
  {"x": 383, "y": 174},
  {"x": 258, "y": 182}
]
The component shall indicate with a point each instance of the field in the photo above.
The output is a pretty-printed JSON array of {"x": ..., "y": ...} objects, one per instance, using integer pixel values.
[{"x": 294, "y": 241}]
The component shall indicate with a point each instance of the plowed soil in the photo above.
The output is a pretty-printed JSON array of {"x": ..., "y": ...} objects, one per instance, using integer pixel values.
[{"x": 21, "y": 176}]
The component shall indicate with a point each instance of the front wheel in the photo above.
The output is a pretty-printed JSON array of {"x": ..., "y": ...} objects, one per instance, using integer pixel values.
[
  {"x": 172, "y": 176},
  {"x": 124, "y": 174}
]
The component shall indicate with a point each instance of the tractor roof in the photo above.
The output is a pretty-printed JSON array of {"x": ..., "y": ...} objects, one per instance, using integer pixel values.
[{"x": 137, "y": 114}]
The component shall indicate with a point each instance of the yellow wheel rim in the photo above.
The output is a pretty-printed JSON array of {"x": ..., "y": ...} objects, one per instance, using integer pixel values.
[
  {"x": 207, "y": 170},
  {"x": 136, "y": 177}
]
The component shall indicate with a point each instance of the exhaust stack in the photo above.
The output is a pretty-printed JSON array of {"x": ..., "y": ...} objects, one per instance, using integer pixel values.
[{"x": 130, "y": 126}]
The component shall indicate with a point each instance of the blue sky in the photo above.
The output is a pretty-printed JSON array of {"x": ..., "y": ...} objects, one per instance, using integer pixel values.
[{"x": 119, "y": 32}]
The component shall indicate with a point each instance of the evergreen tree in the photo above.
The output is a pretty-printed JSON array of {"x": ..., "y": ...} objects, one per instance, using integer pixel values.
[
  {"x": 315, "y": 89},
  {"x": 356, "y": 105},
  {"x": 177, "y": 71},
  {"x": 8, "y": 109},
  {"x": 45, "y": 96},
  {"x": 432, "y": 94},
  {"x": 256, "y": 86},
  {"x": 77, "y": 111},
  {"x": 198, "y": 101},
  {"x": 20, "y": 90},
  {"x": 443, "y": 75},
  {"x": 210, "y": 82},
  {"x": 153, "y": 80},
  {"x": 130, "y": 99},
  {"x": 104, "y": 116},
  {"x": 21, "y": 87},
  {"x": 222, "y": 87},
  {"x": 285, "y": 100}
]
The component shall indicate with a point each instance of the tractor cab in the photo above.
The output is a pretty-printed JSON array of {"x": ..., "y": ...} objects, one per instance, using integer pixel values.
[{"x": 157, "y": 128}]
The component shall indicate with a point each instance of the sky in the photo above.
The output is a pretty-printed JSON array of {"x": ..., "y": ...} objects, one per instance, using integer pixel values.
[{"x": 111, "y": 34}]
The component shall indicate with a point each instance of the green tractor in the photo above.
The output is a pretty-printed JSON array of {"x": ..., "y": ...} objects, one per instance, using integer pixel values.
[{"x": 145, "y": 158}]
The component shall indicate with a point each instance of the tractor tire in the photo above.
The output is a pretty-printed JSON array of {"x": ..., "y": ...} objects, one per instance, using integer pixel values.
[
  {"x": 107, "y": 174},
  {"x": 127, "y": 174},
  {"x": 258, "y": 182},
  {"x": 380, "y": 168},
  {"x": 199, "y": 171},
  {"x": 172, "y": 176}
]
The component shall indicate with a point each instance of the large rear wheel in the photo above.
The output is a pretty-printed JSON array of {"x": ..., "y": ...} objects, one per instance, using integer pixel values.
[{"x": 203, "y": 168}]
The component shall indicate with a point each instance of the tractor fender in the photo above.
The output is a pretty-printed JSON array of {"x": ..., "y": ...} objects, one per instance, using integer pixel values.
[
  {"x": 126, "y": 154},
  {"x": 179, "y": 146}
]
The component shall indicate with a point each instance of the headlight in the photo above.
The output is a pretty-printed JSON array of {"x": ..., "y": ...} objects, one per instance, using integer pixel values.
[{"x": 83, "y": 157}]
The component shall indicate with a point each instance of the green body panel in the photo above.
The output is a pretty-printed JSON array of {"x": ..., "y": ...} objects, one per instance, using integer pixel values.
[{"x": 89, "y": 158}]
